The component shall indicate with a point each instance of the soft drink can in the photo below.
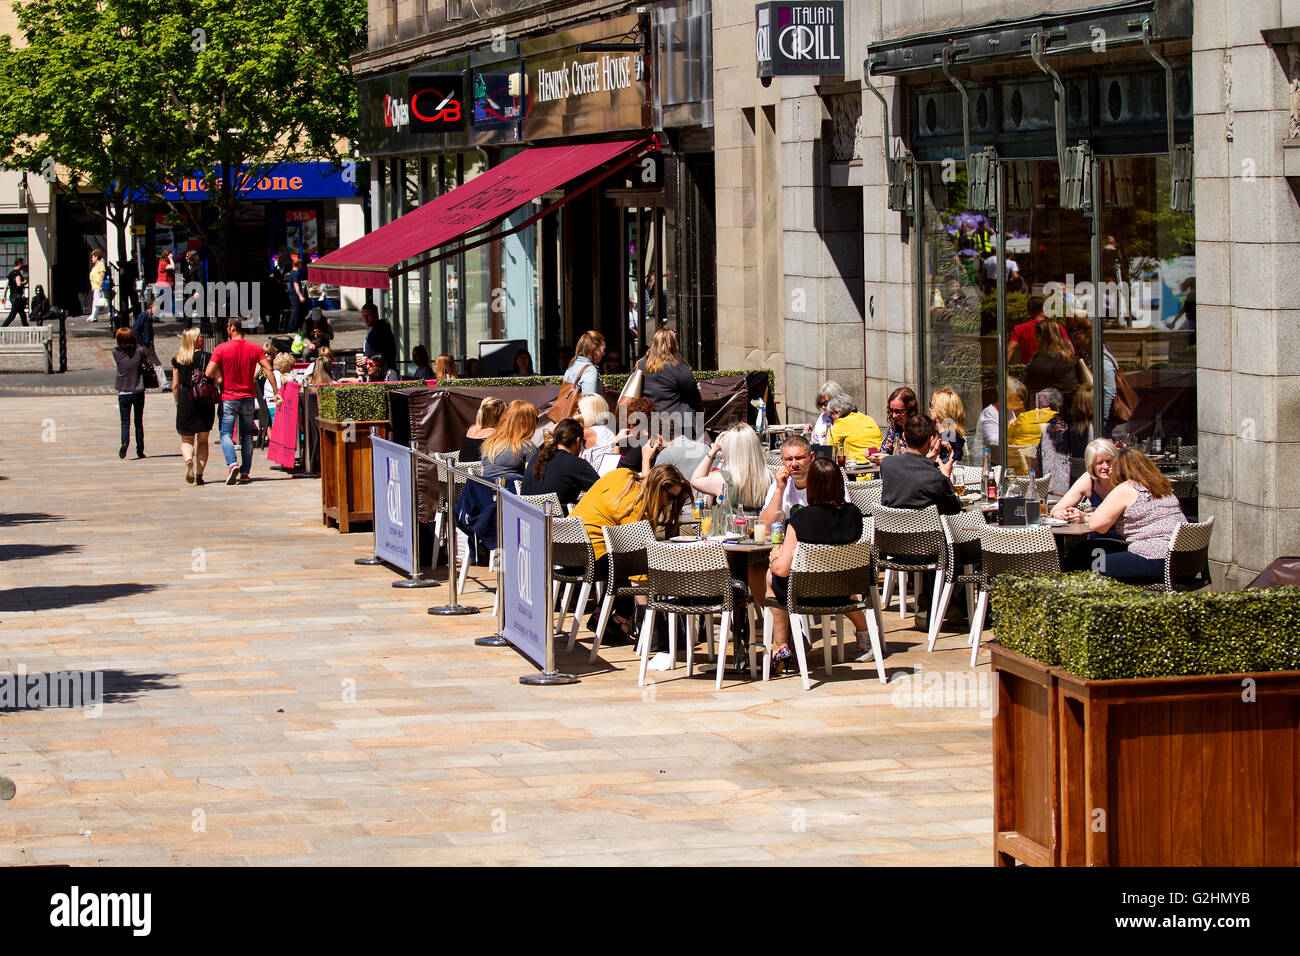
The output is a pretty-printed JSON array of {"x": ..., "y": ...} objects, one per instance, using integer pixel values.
[{"x": 778, "y": 532}]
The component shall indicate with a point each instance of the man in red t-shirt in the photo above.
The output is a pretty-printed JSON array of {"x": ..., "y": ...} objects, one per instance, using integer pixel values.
[
  {"x": 234, "y": 364},
  {"x": 1023, "y": 334}
]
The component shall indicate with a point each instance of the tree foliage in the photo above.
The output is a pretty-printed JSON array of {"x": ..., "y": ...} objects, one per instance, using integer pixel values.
[{"x": 123, "y": 96}]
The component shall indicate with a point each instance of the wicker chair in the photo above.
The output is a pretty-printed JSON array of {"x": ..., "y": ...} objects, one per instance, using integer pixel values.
[
  {"x": 774, "y": 458},
  {"x": 625, "y": 546},
  {"x": 821, "y": 575},
  {"x": 959, "y": 529},
  {"x": 687, "y": 580},
  {"x": 1186, "y": 452},
  {"x": 1031, "y": 550},
  {"x": 1020, "y": 484},
  {"x": 1188, "y": 566},
  {"x": 913, "y": 534},
  {"x": 865, "y": 494},
  {"x": 573, "y": 561}
]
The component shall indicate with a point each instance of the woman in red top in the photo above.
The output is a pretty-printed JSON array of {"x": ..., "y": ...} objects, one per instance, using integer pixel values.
[{"x": 166, "y": 270}]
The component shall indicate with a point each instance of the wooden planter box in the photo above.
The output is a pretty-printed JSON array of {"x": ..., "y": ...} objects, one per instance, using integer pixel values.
[
  {"x": 1174, "y": 771},
  {"x": 345, "y": 472}
]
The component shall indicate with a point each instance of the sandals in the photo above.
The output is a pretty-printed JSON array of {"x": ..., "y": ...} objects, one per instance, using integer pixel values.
[{"x": 779, "y": 657}]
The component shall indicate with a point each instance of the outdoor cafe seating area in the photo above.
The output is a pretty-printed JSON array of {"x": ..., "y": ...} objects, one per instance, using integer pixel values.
[{"x": 694, "y": 580}]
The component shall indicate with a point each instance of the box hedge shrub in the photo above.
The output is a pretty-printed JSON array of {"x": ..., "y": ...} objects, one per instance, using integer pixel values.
[
  {"x": 358, "y": 401},
  {"x": 368, "y": 401},
  {"x": 1100, "y": 629}
]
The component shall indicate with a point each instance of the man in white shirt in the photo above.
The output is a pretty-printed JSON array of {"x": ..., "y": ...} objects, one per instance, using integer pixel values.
[{"x": 790, "y": 487}]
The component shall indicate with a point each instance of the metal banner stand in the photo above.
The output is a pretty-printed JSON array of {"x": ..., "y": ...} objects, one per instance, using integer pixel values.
[
  {"x": 549, "y": 675},
  {"x": 497, "y": 640},
  {"x": 416, "y": 580},
  {"x": 452, "y": 607},
  {"x": 374, "y": 532}
]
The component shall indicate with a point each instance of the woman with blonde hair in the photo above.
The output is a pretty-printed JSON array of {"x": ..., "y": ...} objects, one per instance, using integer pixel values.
[
  {"x": 668, "y": 382},
  {"x": 593, "y": 413},
  {"x": 949, "y": 414},
  {"x": 1142, "y": 508},
  {"x": 507, "y": 450},
  {"x": 193, "y": 418},
  {"x": 444, "y": 368},
  {"x": 322, "y": 372},
  {"x": 489, "y": 414},
  {"x": 583, "y": 370}
]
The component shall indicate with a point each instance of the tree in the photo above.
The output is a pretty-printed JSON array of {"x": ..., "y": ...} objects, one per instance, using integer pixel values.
[{"x": 127, "y": 97}]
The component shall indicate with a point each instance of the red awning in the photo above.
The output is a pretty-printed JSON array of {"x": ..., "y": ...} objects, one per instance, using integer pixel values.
[{"x": 373, "y": 259}]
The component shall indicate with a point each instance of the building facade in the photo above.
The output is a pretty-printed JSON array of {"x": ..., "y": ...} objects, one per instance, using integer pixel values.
[{"x": 448, "y": 91}]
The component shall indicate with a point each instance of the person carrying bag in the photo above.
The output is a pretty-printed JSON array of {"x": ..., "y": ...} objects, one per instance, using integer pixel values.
[{"x": 582, "y": 377}]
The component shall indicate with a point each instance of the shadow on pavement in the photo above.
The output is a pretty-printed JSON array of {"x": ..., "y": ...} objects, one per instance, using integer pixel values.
[
  {"x": 16, "y": 552},
  {"x": 51, "y": 598},
  {"x": 26, "y": 517}
]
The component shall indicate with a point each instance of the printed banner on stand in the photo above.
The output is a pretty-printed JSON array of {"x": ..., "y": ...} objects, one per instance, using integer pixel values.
[
  {"x": 283, "y": 449},
  {"x": 525, "y": 578},
  {"x": 391, "y": 490}
]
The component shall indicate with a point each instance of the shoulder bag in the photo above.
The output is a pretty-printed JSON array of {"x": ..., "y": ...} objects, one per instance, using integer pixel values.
[
  {"x": 632, "y": 389},
  {"x": 1124, "y": 405},
  {"x": 202, "y": 388},
  {"x": 567, "y": 403},
  {"x": 147, "y": 373}
]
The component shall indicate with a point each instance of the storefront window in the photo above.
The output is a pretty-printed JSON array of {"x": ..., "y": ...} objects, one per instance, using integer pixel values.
[{"x": 1146, "y": 300}]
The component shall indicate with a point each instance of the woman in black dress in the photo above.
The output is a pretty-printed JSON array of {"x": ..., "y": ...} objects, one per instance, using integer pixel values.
[{"x": 193, "y": 418}]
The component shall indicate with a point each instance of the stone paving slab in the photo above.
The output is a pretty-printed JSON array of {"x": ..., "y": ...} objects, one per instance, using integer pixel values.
[{"x": 268, "y": 702}]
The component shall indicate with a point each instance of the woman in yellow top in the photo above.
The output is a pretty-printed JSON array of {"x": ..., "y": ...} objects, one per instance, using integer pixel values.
[
  {"x": 623, "y": 497},
  {"x": 859, "y": 432}
]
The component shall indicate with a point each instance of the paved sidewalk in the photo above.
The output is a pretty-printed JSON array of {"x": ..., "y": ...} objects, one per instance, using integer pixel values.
[{"x": 266, "y": 701}]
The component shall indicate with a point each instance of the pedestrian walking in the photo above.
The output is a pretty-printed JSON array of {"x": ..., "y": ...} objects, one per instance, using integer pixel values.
[
  {"x": 130, "y": 359},
  {"x": 100, "y": 287},
  {"x": 194, "y": 417},
  {"x": 298, "y": 301},
  {"x": 17, "y": 293},
  {"x": 234, "y": 364}
]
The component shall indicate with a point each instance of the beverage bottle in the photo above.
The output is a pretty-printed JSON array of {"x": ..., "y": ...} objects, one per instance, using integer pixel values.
[
  {"x": 1158, "y": 436},
  {"x": 990, "y": 485},
  {"x": 1031, "y": 500}
]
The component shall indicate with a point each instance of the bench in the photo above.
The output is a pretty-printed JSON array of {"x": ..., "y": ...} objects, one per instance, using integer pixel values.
[{"x": 29, "y": 341}]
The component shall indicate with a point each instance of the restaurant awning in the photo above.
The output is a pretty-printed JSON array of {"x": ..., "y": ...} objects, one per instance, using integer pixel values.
[{"x": 371, "y": 261}]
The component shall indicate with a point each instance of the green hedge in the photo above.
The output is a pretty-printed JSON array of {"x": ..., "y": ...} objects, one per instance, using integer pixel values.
[
  {"x": 1099, "y": 629},
  {"x": 360, "y": 401},
  {"x": 366, "y": 401}
]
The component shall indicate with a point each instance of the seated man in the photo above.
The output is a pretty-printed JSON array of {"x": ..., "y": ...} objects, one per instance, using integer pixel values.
[
  {"x": 918, "y": 480},
  {"x": 790, "y": 483}
]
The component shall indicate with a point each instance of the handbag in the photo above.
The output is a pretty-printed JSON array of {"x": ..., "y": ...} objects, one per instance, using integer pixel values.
[
  {"x": 632, "y": 388},
  {"x": 1124, "y": 405},
  {"x": 567, "y": 402},
  {"x": 202, "y": 388},
  {"x": 147, "y": 372}
]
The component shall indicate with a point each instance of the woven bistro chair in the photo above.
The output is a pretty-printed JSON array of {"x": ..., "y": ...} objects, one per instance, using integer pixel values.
[
  {"x": 774, "y": 458},
  {"x": 625, "y": 546},
  {"x": 1188, "y": 566},
  {"x": 968, "y": 475},
  {"x": 573, "y": 561},
  {"x": 687, "y": 580},
  {"x": 1019, "y": 485},
  {"x": 960, "y": 529},
  {"x": 823, "y": 578},
  {"x": 908, "y": 541},
  {"x": 865, "y": 494},
  {"x": 1027, "y": 550},
  {"x": 1186, "y": 452}
]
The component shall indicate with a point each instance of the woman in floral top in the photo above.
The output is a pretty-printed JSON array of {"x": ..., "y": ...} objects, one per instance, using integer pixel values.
[{"x": 902, "y": 406}]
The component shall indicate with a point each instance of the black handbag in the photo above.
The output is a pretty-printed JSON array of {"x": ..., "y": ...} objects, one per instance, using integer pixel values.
[
  {"x": 147, "y": 373},
  {"x": 202, "y": 388}
]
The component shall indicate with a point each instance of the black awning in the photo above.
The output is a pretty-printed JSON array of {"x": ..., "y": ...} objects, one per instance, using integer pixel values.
[{"x": 1071, "y": 31}]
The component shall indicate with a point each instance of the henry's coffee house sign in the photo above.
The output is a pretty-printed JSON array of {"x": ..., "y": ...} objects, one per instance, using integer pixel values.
[{"x": 800, "y": 39}]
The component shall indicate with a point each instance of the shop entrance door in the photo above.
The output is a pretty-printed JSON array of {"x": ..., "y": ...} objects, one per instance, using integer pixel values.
[{"x": 642, "y": 267}]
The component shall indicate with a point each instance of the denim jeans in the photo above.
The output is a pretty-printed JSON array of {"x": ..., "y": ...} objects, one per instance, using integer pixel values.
[
  {"x": 124, "y": 405},
  {"x": 244, "y": 408}
]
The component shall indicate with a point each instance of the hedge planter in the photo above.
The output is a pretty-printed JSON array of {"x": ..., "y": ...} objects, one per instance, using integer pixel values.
[{"x": 1105, "y": 755}]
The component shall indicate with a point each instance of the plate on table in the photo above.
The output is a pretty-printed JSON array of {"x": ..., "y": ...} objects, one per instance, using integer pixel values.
[
  {"x": 1053, "y": 522},
  {"x": 971, "y": 496}
]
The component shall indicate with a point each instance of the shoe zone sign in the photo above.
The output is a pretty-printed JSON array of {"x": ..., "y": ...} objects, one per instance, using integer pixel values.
[
  {"x": 525, "y": 581},
  {"x": 799, "y": 39},
  {"x": 391, "y": 477}
]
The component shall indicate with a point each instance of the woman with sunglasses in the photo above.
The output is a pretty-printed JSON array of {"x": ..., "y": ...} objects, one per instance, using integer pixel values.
[
  {"x": 821, "y": 429},
  {"x": 902, "y": 406}
]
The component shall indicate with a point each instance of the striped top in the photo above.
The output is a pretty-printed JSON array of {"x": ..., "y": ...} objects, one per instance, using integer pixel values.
[{"x": 1148, "y": 523}]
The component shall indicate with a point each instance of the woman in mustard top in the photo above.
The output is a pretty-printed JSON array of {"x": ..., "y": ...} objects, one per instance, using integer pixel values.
[
  {"x": 859, "y": 432},
  {"x": 623, "y": 497}
]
